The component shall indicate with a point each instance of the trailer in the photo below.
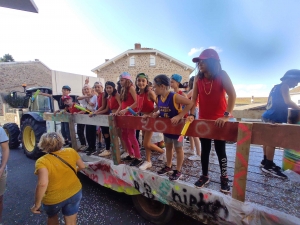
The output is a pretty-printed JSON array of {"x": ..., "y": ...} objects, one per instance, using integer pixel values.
[{"x": 255, "y": 198}]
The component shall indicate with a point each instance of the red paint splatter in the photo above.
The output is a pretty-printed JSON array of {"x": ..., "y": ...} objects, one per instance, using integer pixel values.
[
  {"x": 141, "y": 176},
  {"x": 124, "y": 174},
  {"x": 116, "y": 172},
  {"x": 205, "y": 196},
  {"x": 102, "y": 167},
  {"x": 153, "y": 178},
  {"x": 247, "y": 131}
]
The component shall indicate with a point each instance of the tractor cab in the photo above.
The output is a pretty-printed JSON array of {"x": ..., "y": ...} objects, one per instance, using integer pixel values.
[{"x": 39, "y": 103}]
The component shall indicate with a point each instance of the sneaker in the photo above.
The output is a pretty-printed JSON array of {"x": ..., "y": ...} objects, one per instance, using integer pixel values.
[
  {"x": 128, "y": 158},
  {"x": 263, "y": 163},
  {"x": 275, "y": 171},
  {"x": 224, "y": 185},
  {"x": 175, "y": 175},
  {"x": 187, "y": 140},
  {"x": 105, "y": 153},
  {"x": 145, "y": 165},
  {"x": 124, "y": 155},
  {"x": 162, "y": 157},
  {"x": 82, "y": 148},
  {"x": 91, "y": 151},
  {"x": 136, "y": 162},
  {"x": 189, "y": 151},
  {"x": 164, "y": 171},
  {"x": 202, "y": 181},
  {"x": 87, "y": 149},
  {"x": 194, "y": 158}
]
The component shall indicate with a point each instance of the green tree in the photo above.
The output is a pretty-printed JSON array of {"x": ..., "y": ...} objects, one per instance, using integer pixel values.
[{"x": 7, "y": 58}]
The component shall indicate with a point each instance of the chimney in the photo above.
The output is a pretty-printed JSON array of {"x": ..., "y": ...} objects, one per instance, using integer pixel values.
[
  {"x": 137, "y": 46},
  {"x": 106, "y": 60}
]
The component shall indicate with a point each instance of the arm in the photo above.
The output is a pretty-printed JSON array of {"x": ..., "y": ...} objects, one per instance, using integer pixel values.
[
  {"x": 80, "y": 164},
  {"x": 133, "y": 106},
  {"x": 40, "y": 190},
  {"x": 99, "y": 111},
  {"x": 119, "y": 101},
  {"x": 93, "y": 100},
  {"x": 194, "y": 97},
  {"x": 82, "y": 97},
  {"x": 230, "y": 91},
  {"x": 5, "y": 155},
  {"x": 184, "y": 95},
  {"x": 189, "y": 95},
  {"x": 45, "y": 94},
  {"x": 104, "y": 104},
  {"x": 286, "y": 97},
  {"x": 180, "y": 100}
]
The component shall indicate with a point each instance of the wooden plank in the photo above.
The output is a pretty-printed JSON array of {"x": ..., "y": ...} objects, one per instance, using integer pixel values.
[
  {"x": 199, "y": 128},
  {"x": 241, "y": 161},
  {"x": 249, "y": 114},
  {"x": 113, "y": 132},
  {"x": 276, "y": 135},
  {"x": 72, "y": 132}
]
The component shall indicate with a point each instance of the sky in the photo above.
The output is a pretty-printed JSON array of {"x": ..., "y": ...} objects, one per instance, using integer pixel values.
[{"x": 257, "y": 40}]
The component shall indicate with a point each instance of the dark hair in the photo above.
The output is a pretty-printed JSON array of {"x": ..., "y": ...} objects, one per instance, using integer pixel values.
[
  {"x": 125, "y": 90},
  {"x": 162, "y": 79},
  {"x": 191, "y": 82},
  {"x": 119, "y": 87},
  {"x": 213, "y": 67},
  {"x": 109, "y": 83},
  {"x": 137, "y": 89}
]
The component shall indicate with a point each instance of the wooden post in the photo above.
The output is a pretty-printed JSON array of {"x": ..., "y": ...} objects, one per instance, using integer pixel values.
[
  {"x": 241, "y": 161},
  {"x": 72, "y": 132},
  {"x": 114, "y": 139}
]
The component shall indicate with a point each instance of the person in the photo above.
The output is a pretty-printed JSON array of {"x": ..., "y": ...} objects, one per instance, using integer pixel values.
[
  {"x": 277, "y": 112},
  {"x": 168, "y": 106},
  {"x": 194, "y": 141},
  {"x": 210, "y": 86},
  {"x": 89, "y": 102},
  {"x": 176, "y": 84},
  {"x": 70, "y": 105},
  {"x": 129, "y": 100},
  {"x": 4, "y": 154},
  {"x": 112, "y": 99},
  {"x": 185, "y": 86},
  {"x": 101, "y": 104},
  {"x": 58, "y": 187},
  {"x": 81, "y": 128},
  {"x": 145, "y": 105}
]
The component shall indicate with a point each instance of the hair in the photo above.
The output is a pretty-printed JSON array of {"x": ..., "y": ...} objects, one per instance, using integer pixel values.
[
  {"x": 137, "y": 89},
  {"x": 119, "y": 87},
  {"x": 114, "y": 91},
  {"x": 213, "y": 67},
  {"x": 162, "y": 79},
  {"x": 125, "y": 90},
  {"x": 51, "y": 142},
  {"x": 191, "y": 82}
]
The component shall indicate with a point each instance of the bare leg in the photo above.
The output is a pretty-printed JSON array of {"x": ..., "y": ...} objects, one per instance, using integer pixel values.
[
  {"x": 169, "y": 153},
  {"x": 71, "y": 220},
  {"x": 197, "y": 144},
  {"x": 180, "y": 156},
  {"x": 53, "y": 220},
  {"x": 192, "y": 146}
]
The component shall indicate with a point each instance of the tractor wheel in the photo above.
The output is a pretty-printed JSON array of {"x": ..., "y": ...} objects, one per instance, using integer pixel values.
[
  {"x": 32, "y": 131},
  {"x": 152, "y": 210},
  {"x": 12, "y": 130}
]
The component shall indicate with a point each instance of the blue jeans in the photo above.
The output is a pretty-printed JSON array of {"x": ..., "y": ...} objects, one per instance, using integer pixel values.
[
  {"x": 65, "y": 130},
  {"x": 69, "y": 206}
]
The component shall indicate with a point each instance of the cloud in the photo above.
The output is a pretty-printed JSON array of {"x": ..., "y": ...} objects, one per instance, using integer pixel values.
[
  {"x": 193, "y": 51},
  {"x": 248, "y": 90}
]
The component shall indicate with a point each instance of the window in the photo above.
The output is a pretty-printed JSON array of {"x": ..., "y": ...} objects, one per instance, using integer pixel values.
[
  {"x": 152, "y": 60},
  {"x": 131, "y": 61}
]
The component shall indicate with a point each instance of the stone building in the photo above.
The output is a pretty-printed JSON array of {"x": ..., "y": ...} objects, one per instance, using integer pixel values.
[
  {"x": 14, "y": 74},
  {"x": 146, "y": 60}
]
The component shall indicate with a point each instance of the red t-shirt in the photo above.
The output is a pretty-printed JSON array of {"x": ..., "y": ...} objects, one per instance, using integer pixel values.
[
  {"x": 99, "y": 100},
  {"x": 72, "y": 109},
  {"x": 129, "y": 101},
  {"x": 212, "y": 100},
  {"x": 112, "y": 103},
  {"x": 143, "y": 104}
]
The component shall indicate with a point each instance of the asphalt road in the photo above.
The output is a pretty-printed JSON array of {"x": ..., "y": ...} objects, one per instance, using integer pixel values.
[{"x": 99, "y": 205}]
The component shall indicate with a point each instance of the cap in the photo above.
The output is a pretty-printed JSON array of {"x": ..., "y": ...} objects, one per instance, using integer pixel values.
[
  {"x": 125, "y": 75},
  {"x": 185, "y": 84},
  {"x": 142, "y": 75},
  {"x": 162, "y": 79},
  {"x": 178, "y": 79},
  {"x": 207, "y": 54},
  {"x": 291, "y": 74},
  {"x": 65, "y": 97},
  {"x": 66, "y": 87}
]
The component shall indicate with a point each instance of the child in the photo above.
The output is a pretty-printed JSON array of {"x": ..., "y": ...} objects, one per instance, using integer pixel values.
[
  {"x": 194, "y": 140},
  {"x": 70, "y": 105},
  {"x": 210, "y": 86},
  {"x": 112, "y": 99},
  {"x": 89, "y": 102},
  {"x": 168, "y": 104},
  {"x": 176, "y": 85},
  {"x": 145, "y": 105},
  {"x": 101, "y": 104},
  {"x": 128, "y": 99},
  {"x": 277, "y": 112}
]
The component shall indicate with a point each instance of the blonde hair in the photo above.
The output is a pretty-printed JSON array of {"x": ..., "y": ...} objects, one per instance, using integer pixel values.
[{"x": 51, "y": 142}]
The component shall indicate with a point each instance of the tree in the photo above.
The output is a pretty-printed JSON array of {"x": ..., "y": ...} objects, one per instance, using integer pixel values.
[{"x": 7, "y": 58}]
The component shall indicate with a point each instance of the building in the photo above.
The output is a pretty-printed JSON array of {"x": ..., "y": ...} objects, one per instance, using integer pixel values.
[
  {"x": 146, "y": 60},
  {"x": 295, "y": 95}
]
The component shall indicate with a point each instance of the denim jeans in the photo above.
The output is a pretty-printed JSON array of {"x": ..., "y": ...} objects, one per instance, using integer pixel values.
[{"x": 65, "y": 130}]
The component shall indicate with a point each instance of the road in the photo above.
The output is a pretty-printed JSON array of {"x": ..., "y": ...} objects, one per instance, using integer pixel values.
[{"x": 99, "y": 205}]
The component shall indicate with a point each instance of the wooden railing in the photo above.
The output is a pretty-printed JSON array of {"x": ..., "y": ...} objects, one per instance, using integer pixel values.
[{"x": 277, "y": 135}]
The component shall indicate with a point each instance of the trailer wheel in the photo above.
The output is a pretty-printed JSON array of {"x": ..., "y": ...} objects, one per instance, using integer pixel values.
[
  {"x": 153, "y": 210},
  {"x": 32, "y": 131},
  {"x": 12, "y": 130}
]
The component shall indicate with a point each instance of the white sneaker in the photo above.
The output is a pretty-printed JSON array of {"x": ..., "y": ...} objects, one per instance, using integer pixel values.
[
  {"x": 124, "y": 155},
  {"x": 162, "y": 156},
  {"x": 195, "y": 158},
  {"x": 105, "y": 153},
  {"x": 145, "y": 165},
  {"x": 189, "y": 151}
]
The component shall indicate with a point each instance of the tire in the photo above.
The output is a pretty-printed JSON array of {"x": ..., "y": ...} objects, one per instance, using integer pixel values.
[
  {"x": 152, "y": 210},
  {"x": 12, "y": 130},
  {"x": 31, "y": 132}
]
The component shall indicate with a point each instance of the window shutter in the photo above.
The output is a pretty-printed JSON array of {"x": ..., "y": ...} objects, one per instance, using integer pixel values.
[
  {"x": 132, "y": 61},
  {"x": 152, "y": 60}
]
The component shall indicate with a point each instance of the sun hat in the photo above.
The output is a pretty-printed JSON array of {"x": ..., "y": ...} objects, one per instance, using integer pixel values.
[
  {"x": 291, "y": 74},
  {"x": 177, "y": 78},
  {"x": 66, "y": 87},
  {"x": 207, "y": 54}
]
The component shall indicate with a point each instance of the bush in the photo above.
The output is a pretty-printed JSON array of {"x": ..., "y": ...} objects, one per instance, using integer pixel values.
[{"x": 19, "y": 101}]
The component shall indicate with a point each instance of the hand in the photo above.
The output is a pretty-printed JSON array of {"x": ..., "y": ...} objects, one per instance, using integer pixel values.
[
  {"x": 155, "y": 115},
  {"x": 55, "y": 112},
  {"x": 175, "y": 120},
  {"x": 122, "y": 112},
  {"x": 190, "y": 118},
  {"x": 36, "y": 209},
  {"x": 74, "y": 113},
  {"x": 221, "y": 121},
  {"x": 145, "y": 117},
  {"x": 87, "y": 80},
  {"x": 92, "y": 114}
]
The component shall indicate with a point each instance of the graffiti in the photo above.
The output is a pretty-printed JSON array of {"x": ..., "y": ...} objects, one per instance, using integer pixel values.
[
  {"x": 102, "y": 167},
  {"x": 148, "y": 190},
  {"x": 145, "y": 123},
  {"x": 160, "y": 128},
  {"x": 246, "y": 134},
  {"x": 202, "y": 128},
  {"x": 213, "y": 209}
]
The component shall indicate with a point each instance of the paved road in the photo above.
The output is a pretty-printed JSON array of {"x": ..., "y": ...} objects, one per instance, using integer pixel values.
[{"x": 100, "y": 205}]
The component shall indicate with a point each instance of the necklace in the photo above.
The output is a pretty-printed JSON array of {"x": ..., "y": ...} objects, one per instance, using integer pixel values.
[
  {"x": 210, "y": 87},
  {"x": 138, "y": 103}
]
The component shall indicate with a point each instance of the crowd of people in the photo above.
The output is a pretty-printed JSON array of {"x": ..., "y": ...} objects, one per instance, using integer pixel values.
[{"x": 203, "y": 97}]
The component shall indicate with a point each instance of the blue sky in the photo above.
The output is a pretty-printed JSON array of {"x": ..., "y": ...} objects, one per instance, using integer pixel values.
[{"x": 257, "y": 40}]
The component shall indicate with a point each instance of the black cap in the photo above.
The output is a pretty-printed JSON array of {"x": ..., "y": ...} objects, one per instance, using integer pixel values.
[{"x": 162, "y": 79}]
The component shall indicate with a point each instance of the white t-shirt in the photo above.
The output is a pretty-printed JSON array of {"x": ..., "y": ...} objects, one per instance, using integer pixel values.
[
  {"x": 3, "y": 138},
  {"x": 84, "y": 103}
]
